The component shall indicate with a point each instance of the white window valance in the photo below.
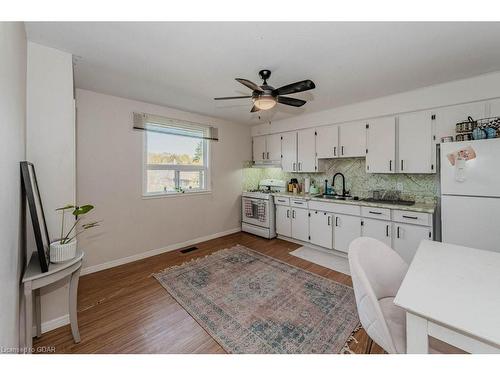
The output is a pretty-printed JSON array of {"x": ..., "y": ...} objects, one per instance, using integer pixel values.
[{"x": 160, "y": 124}]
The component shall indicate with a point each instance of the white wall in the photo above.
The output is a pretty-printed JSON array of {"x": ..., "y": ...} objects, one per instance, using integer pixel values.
[
  {"x": 50, "y": 145},
  {"x": 109, "y": 175},
  {"x": 457, "y": 92},
  {"x": 12, "y": 151}
]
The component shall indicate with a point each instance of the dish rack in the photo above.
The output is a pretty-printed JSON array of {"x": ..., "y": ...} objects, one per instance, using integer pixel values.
[{"x": 488, "y": 127}]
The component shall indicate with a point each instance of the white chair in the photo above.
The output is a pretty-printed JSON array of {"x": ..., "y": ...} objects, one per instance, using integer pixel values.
[{"x": 377, "y": 272}]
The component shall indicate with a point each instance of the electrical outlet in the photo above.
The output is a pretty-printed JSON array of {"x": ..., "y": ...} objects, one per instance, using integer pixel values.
[{"x": 399, "y": 186}]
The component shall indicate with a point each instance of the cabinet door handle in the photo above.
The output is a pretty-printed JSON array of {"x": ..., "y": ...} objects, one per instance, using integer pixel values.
[
  {"x": 336, "y": 221},
  {"x": 390, "y": 165},
  {"x": 268, "y": 155},
  {"x": 293, "y": 167},
  {"x": 387, "y": 230},
  {"x": 328, "y": 220},
  {"x": 288, "y": 214},
  {"x": 410, "y": 217},
  {"x": 342, "y": 150},
  {"x": 402, "y": 164},
  {"x": 375, "y": 212},
  {"x": 397, "y": 234},
  {"x": 293, "y": 214},
  {"x": 334, "y": 150},
  {"x": 263, "y": 155}
]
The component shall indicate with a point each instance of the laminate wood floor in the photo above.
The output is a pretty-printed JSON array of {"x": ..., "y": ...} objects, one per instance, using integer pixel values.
[{"x": 125, "y": 310}]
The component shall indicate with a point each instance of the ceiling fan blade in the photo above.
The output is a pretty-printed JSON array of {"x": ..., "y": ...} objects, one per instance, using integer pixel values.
[
  {"x": 291, "y": 101},
  {"x": 233, "y": 97},
  {"x": 249, "y": 84},
  {"x": 255, "y": 109},
  {"x": 295, "y": 87}
]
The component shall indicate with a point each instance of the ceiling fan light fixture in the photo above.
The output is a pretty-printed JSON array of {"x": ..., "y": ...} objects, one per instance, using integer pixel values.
[{"x": 264, "y": 102}]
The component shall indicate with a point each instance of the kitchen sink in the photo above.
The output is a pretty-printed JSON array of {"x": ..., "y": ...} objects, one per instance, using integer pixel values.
[
  {"x": 398, "y": 202},
  {"x": 336, "y": 197}
]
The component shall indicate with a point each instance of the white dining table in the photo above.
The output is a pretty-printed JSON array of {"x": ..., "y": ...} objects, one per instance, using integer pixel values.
[{"x": 452, "y": 293}]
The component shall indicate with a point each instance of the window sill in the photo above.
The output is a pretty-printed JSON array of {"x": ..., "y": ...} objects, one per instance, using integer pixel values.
[{"x": 174, "y": 195}]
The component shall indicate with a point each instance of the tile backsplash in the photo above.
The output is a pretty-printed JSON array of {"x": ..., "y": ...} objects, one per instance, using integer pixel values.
[{"x": 420, "y": 187}]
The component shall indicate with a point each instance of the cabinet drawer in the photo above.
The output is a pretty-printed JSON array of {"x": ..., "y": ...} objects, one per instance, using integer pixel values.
[
  {"x": 376, "y": 213},
  {"x": 346, "y": 209},
  {"x": 282, "y": 201},
  {"x": 419, "y": 218},
  {"x": 334, "y": 207},
  {"x": 300, "y": 203}
]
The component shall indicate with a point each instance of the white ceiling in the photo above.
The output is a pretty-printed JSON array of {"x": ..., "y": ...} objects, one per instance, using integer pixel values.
[{"x": 185, "y": 65}]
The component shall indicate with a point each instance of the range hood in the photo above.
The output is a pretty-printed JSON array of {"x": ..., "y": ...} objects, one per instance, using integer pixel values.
[{"x": 266, "y": 164}]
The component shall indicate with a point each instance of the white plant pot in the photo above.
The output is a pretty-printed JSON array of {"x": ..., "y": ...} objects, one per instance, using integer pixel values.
[{"x": 61, "y": 253}]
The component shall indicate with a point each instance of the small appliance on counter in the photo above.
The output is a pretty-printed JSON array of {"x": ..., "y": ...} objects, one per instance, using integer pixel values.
[
  {"x": 258, "y": 211},
  {"x": 313, "y": 189}
]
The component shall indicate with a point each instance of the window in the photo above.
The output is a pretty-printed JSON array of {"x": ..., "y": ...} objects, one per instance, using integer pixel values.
[{"x": 175, "y": 159}]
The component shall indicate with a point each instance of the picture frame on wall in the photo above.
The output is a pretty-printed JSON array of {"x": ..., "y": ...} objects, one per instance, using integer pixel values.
[{"x": 32, "y": 194}]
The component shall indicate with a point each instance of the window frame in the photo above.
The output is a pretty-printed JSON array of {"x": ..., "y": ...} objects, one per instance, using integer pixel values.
[{"x": 177, "y": 168}]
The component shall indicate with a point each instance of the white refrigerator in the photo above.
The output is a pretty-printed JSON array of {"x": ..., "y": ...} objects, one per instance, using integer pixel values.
[{"x": 470, "y": 194}]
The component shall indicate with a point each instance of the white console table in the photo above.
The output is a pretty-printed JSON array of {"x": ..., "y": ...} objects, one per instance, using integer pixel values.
[{"x": 34, "y": 279}]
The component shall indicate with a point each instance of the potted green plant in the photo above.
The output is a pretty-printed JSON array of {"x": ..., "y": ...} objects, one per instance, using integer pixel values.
[{"x": 65, "y": 248}]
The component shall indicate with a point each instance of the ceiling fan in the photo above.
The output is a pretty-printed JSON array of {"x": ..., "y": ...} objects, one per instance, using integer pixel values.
[{"x": 265, "y": 97}]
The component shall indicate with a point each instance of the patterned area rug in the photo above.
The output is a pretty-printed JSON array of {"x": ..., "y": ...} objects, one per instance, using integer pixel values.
[{"x": 251, "y": 303}]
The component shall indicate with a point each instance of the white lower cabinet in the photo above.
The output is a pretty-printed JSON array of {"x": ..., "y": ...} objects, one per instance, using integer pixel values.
[
  {"x": 407, "y": 237},
  {"x": 300, "y": 224},
  {"x": 320, "y": 224},
  {"x": 346, "y": 229},
  {"x": 378, "y": 229},
  {"x": 321, "y": 229},
  {"x": 283, "y": 221}
]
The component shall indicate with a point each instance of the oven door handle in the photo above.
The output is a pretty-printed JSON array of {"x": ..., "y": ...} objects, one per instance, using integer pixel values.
[{"x": 254, "y": 200}]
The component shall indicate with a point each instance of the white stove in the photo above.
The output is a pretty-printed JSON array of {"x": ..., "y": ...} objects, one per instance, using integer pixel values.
[{"x": 257, "y": 208}]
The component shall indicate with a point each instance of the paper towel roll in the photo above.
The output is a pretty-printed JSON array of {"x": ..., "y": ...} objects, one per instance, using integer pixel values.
[{"x": 307, "y": 184}]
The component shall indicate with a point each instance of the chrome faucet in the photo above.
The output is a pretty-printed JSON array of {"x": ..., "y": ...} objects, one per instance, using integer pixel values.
[{"x": 344, "y": 192}]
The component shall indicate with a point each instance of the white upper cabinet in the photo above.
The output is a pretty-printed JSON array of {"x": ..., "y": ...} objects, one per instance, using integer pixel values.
[
  {"x": 381, "y": 145},
  {"x": 448, "y": 117},
  {"x": 267, "y": 148},
  {"x": 289, "y": 152},
  {"x": 416, "y": 145},
  {"x": 306, "y": 150},
  {"x": 352, "y": 140},
  {"x": 327, "y": 142},
  {"x": 259, "y": 149},
  {"x": 273, "y": 147}
]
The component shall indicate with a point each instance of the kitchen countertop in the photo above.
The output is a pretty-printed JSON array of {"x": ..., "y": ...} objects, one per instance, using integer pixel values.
[{"x": 417, "y": 207}]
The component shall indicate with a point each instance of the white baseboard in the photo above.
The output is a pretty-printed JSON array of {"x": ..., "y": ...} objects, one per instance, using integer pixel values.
[
  {"x": 52, "y": 324},
  {"x": 150, "y": 253}
]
